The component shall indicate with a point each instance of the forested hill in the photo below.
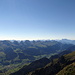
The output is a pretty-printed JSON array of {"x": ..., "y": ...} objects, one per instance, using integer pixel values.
[{"x": 16, "y": 53}]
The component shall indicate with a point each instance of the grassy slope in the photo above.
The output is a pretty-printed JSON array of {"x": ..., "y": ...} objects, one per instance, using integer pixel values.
[
  {"x": 68, "y": 70},
  {"x": 61, "y": 66}
]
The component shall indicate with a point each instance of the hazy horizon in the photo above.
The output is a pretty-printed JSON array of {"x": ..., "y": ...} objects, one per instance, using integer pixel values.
[{"x": 35, "y": 39}]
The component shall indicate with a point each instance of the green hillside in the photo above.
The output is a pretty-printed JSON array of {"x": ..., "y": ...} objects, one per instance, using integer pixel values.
[
  {"x": 68, "y": 70},
  {"x": 64, "y": 65}
]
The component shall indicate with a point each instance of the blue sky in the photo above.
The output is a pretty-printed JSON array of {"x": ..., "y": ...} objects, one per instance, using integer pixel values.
[{"x": 37, "y": 19}]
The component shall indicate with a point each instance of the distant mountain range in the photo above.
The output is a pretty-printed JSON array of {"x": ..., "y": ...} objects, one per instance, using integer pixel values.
[{"x": 67, "y": 41}]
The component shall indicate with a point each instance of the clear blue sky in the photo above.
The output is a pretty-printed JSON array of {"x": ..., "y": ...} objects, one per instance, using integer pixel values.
[{"x": 37, "y": 19}]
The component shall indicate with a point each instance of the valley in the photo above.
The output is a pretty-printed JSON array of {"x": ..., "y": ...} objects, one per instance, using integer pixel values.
[{"x": 16, "y": 54}]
